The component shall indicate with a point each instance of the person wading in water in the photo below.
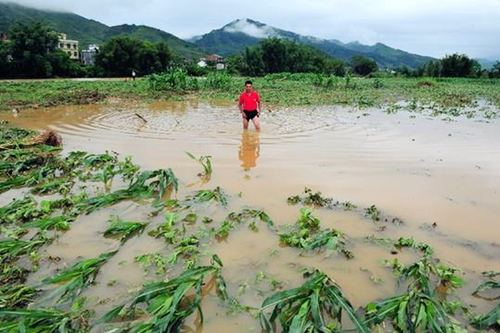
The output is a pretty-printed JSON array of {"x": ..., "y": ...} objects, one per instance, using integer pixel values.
[{"x": 250, "y": 106}]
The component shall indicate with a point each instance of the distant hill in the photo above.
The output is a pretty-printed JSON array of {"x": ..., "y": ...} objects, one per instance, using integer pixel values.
[
  {"x": 237, "y": 35},
  {"x": 143, "y": 32},
  {"x": 487, "y": 63},
  {"x": 88, "y": 31}
]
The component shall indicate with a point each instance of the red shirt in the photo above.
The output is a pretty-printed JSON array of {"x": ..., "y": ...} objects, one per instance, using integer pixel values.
[{"x": 249, "y": 101}]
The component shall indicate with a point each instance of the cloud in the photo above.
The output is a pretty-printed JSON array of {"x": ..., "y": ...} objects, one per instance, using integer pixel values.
[
  {"x": 250, "y": 29},
  {"x": 426, "y": 27}
]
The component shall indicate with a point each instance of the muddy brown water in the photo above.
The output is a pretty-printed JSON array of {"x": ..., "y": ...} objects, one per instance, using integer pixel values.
[{"x": 420, "y": 169}]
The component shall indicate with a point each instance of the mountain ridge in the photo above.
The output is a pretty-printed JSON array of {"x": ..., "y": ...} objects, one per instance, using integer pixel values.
[{"x": 238, "y": 34}]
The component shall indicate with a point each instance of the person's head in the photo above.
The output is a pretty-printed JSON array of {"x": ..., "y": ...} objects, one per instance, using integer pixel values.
[{"x": 248, "y": 86}]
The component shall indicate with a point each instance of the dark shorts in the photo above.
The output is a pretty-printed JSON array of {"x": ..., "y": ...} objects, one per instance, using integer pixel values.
[{"x": 251, "y": 114}]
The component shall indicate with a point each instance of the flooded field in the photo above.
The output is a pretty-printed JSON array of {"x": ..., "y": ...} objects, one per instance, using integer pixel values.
[{"x": 436, "y": 180}]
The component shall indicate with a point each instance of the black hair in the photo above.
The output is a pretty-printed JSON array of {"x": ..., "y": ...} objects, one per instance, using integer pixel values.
[{"x": 248, "y": 82}]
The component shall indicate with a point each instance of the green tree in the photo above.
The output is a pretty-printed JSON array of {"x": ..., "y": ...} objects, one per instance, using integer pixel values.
[
  {"x": 32, "y": 52},
  {"x": 432, "y": 69},
  {"x": 254, "y": 62},
  {"x": 363, "y": 65},
  {"x": 119, "y": 56},
  {"x": 235, "y": 64},
  {"x": 275, "y": 55},
  {"x": 278, "y": 55},
  {"x": 63, "y": 66},
  {"x": 5, "y": 63},
  {"x": 459, "y": 65},
  {"x": 31, "y": 47},
  {"x": 122, "y": 55},
  {"x": 336, "y": 67},
  {"x": 495, "y": 70}
]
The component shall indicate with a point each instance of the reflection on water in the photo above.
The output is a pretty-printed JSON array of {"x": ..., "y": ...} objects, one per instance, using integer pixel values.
[{"x": 249, "y": 149}]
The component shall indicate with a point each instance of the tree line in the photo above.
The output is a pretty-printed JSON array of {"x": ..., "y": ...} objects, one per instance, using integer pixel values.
[
  {"x": 455, "y": 65},
  {"x": 32, "y": 52}
]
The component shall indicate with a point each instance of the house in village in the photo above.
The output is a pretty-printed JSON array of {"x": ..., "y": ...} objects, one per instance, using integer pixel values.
[
  {"x": 88, "y": 56},
  {"x": 214, "y": 58},
  {"x": 69, "y": 46}
]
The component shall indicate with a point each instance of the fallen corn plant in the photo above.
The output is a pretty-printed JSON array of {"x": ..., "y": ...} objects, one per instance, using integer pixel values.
[
  {"x": 488, "y": 285},
  {"x": 206, "y": 195},
  {"x": 18, "y": 211},
  {"x": 411, "y": 243},
  {"x": 152, "y": 259},
  {"x": 17, "y": 296},
  {"x": 62, "y": 186},
  {"x": 44, "y": 320},
  {"x": 123, "y": 229},
  {"x": 58, "y": 223},
  {"x": 12, "y": 249},
  {"x": 307, "y": 235},
  {"x": 27, "y": 179},
  {"x": 187, "y": 249},
  {"x": 159, "y": 182},
  {"x": 234, "y": 219},
  {"x": 78, "y": 277},
  {"x": 311, "y": 199},
  {"x": 167, "y": 229},
  {"x": 421, "y": 308},
  {"x": 316, "y": 306},
  {"x": 255, "y": 215},
  {"x": 489, "y": 320},
  {"x": 168, "y": 304}
]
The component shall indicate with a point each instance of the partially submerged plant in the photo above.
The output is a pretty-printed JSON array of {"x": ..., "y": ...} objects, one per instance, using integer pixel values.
[
  {"x": 123, "y": 229},
  {"x": 58, "y": 223},
  {"x": 216, "y": 194},
  {"x": 78, "y": 277},
  {"x": 307, "y": 235},
  {"x": 491, "y": 284},
  {"x": 234, "y": 219},
  {"x": 159, "y": 181},
  {"x": 316, "y": 306},
  {"x": 310, "y": 198},
  {"x": 149, "y": 259},
  {"x": 205, "y": 162},
  {"x": 17, "y": 296},
  {"x": 187, "y": 248},
  {"x": 252, "y": 215},
  {"x": 373, "y": 212},
  {"x": 488, "y": 320},
  {"x": 44, "y": 320},
  {"x": 168, "y": 304},
  {"x": 411, "y": 243},
  {"x": 316, "y": 199},
  {"x": 19, "y": 210},
  {"x": 420, "y": 309},
  {"x": 12, "y": 249},
  {"x": 167, "y": 229},
  {"x": 62, "y": 186}
]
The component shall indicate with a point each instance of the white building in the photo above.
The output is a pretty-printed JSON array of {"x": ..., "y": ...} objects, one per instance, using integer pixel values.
[{"x": 69, "y": 46}]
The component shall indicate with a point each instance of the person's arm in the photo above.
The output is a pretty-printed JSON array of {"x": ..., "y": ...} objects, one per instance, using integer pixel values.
[
  {"x": 240, "y": 106},
  {"x": 259, "y": 105}
]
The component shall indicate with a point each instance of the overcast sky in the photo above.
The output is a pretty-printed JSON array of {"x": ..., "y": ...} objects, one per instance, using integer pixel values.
[{"x": 427, "y": 27}]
